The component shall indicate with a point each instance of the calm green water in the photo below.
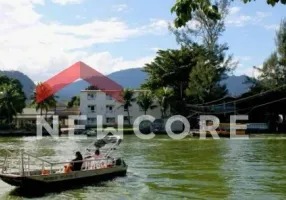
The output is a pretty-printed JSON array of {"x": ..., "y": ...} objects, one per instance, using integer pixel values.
[{"x": 162, "y": 168}]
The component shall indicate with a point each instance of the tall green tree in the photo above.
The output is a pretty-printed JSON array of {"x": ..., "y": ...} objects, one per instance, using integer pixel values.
[
  {"x": 145, "y": 100},
  {"x": 128, "y": 97},
  {"x": 171, "y": 68},
  {"x": 164, "y": 97},
  {"x": 183, "y": 69},
  {"x": 12, "y": 98},
  {"x": 273, "y": 72},
  {"x": 271, "y": 82},
  {"x": 205, "y": 77},
  {"x": 75, "y": 101},
  {"x": 185, "y": 9},
  {"x": 204, "y": 84}
]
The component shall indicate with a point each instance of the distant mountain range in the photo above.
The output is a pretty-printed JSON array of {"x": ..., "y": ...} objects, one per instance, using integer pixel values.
[
  {"x": 130, "y": 78},
  {"x": 28, "y": 84}
]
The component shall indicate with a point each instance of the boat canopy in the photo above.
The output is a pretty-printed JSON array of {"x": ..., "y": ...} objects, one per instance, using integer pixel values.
[{"x": 99, "y": 143}]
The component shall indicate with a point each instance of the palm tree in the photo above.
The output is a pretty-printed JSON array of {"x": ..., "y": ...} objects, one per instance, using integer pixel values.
[
  {"x": 145, "y": 101},
  {"x": 75, "y": 101},
  {"x": 164, "y": 96},
  {"x": 128, "y": 97},
  {"x": 51, "y": 102},
  {"x": 46, "y": 103}
]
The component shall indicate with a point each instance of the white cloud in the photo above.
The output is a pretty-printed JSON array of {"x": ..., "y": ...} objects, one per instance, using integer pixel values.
[
  {"x": 43, "y": 49},
  {"x": 248, "y": 71},
  {"x": 235, "y": 18},
  {"x": 272, "y": 27},
  {"x": 120, "y": 7},
  {"x": 234, "y": 10},
  {"x": 65, "y": 2},
  {"x": 157, "y": 26},
  {"x": 105, "y": 63}
]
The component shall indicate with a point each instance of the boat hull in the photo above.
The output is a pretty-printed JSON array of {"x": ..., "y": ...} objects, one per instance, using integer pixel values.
[{"x": 57, "y": 181}]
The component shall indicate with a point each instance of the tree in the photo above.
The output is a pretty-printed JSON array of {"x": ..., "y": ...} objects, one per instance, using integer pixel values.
[
  {"x": 171, "y": 68},
  {"x": 128, "y": 97},
  {"x": 12, "y": 98},
  {"x": 145, "y": 101},
  {"x": 204, "y": 28},
  {"x": 185, "y": 9},
  {"x": 204, "y": 84},
  {"x": 273, "y": 72},
  {"x": 272, "y": 81},
  {"x": 75, "y": 101},
  {"x": 205, "y": 76},
  {"x": 45, "y": 104},
  {"x": 164, "y": 97}
]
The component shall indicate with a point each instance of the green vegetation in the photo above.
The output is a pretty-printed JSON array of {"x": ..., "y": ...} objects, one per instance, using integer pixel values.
[
  {"x": 12, "y": 99},
  {"x": 164, "y": 97},
  {"x": 195, "y": 70},
  {"x": 186, "y": 9},
  {"x": 145, "y": 101},
  {"x": 128, "y": 97},
  {"x": 74, "y": 102}
]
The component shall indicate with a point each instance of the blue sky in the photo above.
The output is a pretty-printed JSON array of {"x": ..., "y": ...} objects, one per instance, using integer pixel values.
[{"x": 43, "y": 37}]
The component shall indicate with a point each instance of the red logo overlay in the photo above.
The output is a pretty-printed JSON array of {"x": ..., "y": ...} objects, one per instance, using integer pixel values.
[{"x": 71, "y": 74}]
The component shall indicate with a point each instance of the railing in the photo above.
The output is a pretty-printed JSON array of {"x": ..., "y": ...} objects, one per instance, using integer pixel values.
[{"x": 53, "y": 167}]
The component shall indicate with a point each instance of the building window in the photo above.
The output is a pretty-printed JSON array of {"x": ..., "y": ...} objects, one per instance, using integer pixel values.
[
  {"x": 110, "y": 120},
  {"x": 91, "y": 120},
  {"x": 109, "y": 109},
  {"x": 91, "y": 96},
  {"x": 91, "y": 109},
  {"x": 108, "y": 97},
  {"x": 126, "y": 118}
]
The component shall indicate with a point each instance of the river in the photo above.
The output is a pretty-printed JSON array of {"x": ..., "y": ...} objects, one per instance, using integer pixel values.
[{"x": 162, "y": 168}]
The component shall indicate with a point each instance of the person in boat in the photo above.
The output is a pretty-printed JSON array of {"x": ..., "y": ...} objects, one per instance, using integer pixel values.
[
  {"x": 97, "y": 154},
  {"x": 77, "y": 166}
]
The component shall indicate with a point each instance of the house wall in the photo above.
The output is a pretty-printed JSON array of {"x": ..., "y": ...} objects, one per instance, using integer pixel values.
[{"x": 102, "y": 102}]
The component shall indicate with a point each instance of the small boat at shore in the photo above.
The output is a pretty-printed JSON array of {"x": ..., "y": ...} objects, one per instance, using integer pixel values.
[
  {"x": 224, "y": 130},
  {"x": 91, "y": 133},
  {"x": 53, "y": 174}
]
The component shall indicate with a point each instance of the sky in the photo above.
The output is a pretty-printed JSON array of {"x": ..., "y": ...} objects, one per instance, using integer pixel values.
[{"x": 43, "y": 37}]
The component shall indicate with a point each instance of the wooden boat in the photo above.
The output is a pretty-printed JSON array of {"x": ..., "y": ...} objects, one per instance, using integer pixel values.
[
  {"x": 91, "y": 133},
  {"x": 92, "y": 171},
  {"x": 223, "y": 131}
]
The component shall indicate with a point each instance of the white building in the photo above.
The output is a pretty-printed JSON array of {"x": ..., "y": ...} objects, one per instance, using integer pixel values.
[{"x": 94, "y": 103}]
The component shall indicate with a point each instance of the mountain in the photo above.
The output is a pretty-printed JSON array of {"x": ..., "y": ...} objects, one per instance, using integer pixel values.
[
  {"x": 236, "y": 85},
  {"x": 130, "y": 78},
  {"x": 27, "y": 83},
  {"x": 133, "y": 78}
]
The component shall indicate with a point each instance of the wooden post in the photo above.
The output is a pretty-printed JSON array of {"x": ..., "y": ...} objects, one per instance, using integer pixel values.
[{"x": 22, "y": 163}]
